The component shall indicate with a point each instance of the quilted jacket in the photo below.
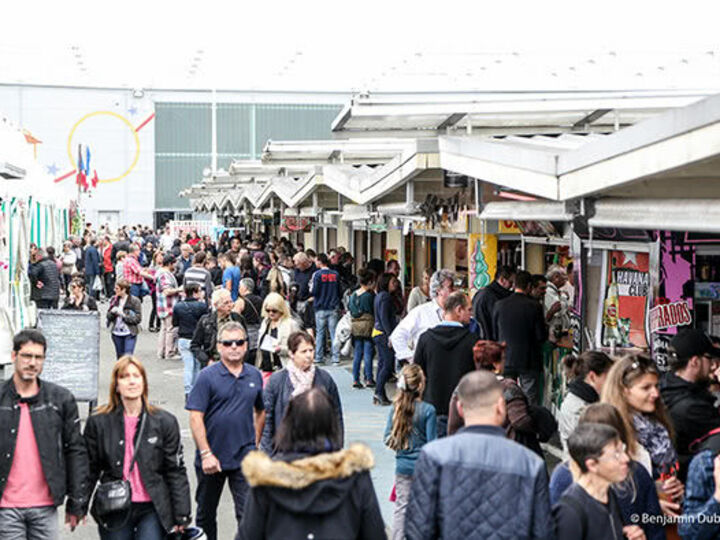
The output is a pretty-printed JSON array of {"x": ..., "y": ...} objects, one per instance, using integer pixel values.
[{"x": 479, "y": 484}]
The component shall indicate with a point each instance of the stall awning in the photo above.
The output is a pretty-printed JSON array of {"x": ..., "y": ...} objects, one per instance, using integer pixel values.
[
  {"x": 699, "y": 215},
  {"x": 526, "y": 211},
  {"x": 11, "y": 172}
]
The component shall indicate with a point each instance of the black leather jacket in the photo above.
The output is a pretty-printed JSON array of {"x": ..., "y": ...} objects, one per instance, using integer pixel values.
[
  {"x": 160, "y": 461},
  {"x": 56, "y": 425}
]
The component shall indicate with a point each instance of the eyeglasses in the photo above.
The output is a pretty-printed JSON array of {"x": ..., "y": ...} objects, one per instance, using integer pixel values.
[
  {"x": 271, "y": 310},
  {"x": 27, "y": 356},
  {"x": 617, "y": 455},
  {"x": 231, "y": 342}
]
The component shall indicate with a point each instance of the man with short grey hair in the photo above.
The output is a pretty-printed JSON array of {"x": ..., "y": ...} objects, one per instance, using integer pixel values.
[
  {"x": 249, "y": 305},
  {"x": 423, "y": 317},
  {"x": 556, "y": 302},
  {"x": 459, "y": 480}
]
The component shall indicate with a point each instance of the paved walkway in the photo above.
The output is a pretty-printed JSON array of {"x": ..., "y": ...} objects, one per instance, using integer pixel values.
[{"x": 364, "y": 422}]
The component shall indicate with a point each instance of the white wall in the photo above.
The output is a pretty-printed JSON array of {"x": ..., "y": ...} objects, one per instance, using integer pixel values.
[{"x": 50, "y": 114}]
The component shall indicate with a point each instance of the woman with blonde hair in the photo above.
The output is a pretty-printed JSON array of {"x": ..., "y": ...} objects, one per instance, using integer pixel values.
[
  {"x": 129, "y": 439},
  {"x": 411, "y": 424},
  {"x": 632, "y": 388},
  {"x": 275, "y": 329}
]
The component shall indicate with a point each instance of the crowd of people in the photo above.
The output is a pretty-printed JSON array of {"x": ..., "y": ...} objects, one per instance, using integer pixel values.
[{"x": 257, "y": 320}]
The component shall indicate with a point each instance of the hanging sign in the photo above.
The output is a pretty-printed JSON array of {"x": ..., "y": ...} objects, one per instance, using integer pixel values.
[
  {"x": 296, "y": 224},
  {"x": 508, "y": 226},
  {"x": 670, "y": 315}
]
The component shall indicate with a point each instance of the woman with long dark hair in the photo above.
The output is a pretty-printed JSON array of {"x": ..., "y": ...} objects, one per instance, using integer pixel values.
[
  {"x": 587, "y": 374},
  {"x": 160, "y": 492},
  {"x": 311, "y": 489}
]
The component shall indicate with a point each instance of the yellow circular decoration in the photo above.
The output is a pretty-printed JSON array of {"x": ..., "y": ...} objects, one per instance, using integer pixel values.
[{"x": 124, "y": 121}]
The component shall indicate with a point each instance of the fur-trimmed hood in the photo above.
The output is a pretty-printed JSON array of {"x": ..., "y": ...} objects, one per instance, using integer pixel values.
[
  {"x": 260, "y": 470},
  {"x": 316, "y": 484}
]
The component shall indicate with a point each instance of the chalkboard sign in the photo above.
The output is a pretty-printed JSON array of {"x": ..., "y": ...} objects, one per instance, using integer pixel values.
[{"x": 72, "y": 359}]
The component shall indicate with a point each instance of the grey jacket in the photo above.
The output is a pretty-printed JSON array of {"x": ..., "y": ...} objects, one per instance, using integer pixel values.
[{"x": 479, "y": 484}]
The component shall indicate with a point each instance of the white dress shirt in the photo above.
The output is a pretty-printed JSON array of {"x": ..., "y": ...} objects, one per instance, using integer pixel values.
[{"x": 409, "y": 330}]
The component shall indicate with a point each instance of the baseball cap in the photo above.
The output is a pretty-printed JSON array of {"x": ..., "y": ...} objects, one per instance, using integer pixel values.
[{"x": 693, "y": 342}]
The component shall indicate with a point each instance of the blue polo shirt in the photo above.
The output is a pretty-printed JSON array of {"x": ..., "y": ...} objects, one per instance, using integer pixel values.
[
  {"x": 232, "y": 274},
  {"x": 227, "y": 402}
]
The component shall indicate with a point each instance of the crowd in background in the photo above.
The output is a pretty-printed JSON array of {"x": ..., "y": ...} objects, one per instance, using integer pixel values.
[{"x": 467, "y": 419}]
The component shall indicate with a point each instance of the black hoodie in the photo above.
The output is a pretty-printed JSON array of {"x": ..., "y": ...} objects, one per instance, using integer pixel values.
[
  {"x": 692, "y": 410},
  {"x": 445, "y": 354},
  {"x": 328, "y": 495}
]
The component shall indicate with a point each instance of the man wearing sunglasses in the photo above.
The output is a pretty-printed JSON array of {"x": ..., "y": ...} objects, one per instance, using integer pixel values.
[{"x": 227, "y": 420}]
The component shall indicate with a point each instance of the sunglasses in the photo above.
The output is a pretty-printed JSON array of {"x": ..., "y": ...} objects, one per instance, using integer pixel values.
[
  {"x": 271, "y": 310},
  {"x": 231, "y": 342}
]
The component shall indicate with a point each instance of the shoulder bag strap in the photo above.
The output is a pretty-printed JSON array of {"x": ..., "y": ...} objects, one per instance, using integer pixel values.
[{"x": 139, "y": 438}]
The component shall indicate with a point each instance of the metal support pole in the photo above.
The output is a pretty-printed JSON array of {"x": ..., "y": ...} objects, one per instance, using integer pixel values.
[
  {"x": 213, "y": 165},
  {"x": 410, "y": 192}
]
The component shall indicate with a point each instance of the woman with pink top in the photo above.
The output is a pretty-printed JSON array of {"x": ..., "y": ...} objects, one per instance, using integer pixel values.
[{"x": 159, "y": 485}]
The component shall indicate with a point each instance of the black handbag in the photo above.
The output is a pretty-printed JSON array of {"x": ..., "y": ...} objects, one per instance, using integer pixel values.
[
  {"x": 113, "y": 499},
  {"x": 543, "y": 421}
]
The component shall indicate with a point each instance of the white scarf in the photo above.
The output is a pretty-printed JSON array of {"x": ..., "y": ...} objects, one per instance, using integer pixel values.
[{"x": 301, "y": 380}]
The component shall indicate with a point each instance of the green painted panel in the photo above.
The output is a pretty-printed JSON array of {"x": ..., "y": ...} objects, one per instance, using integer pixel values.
[
  {"x": 293, "y": 122},
  {"x": 183, "y": 138},
  {"x": 233, "y": 133},
  {"x": 173, "y": 174},
  {"x": 183, "y": 128}
]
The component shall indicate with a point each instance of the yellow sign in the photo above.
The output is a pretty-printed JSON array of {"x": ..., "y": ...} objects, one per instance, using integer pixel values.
[
  {"x": 482, "y": 260},
  {"x": 508, "y": 226},
  {"x": 124, "y": 121}
]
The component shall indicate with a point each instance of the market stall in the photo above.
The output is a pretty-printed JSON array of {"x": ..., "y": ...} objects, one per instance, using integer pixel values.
[{"x": 32, "y": 210}]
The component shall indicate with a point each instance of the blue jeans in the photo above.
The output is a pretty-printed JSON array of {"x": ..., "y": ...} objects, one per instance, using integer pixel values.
[
  {"x": 136, "y": 290},
  {"x": 207, "y": 496},
  {"x": 386, "y": 362},
  {"x": 124, "y": 344},
  {"x": 143, "y": 524},
  {"x": 192, "y": 366},
  {"x": 326, "y": 319},
  {"x": 363, "y": 348}
]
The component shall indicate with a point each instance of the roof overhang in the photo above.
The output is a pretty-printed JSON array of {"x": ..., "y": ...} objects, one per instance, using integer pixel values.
[
  {"x": 526, "y": 211},
  {"x": 513, "y": 112},
  {"x": 699, "y": 215}
]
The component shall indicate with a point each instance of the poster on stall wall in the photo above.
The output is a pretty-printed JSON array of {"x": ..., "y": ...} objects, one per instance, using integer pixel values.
[
  {"x": 482, "y": 261},
  {"x": 625, "y": 301}
]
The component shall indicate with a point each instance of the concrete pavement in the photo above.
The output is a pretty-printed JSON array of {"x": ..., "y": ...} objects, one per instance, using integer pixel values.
[{"x": 364, "y": 422}]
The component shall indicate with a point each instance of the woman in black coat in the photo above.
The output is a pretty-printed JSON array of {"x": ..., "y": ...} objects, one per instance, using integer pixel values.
[
  {"x": 123, "y": 318},
  {"x": 160, "y": 489},
  {"x": 310, "y": 489},
  {"x": 299, "y": 375}
]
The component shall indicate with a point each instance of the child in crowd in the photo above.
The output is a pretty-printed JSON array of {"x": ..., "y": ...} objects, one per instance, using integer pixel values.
[{"x": 411, "y": 424}]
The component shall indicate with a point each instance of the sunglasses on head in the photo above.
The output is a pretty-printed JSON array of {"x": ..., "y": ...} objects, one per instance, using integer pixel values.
[{"x": 231, "y": 342}]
